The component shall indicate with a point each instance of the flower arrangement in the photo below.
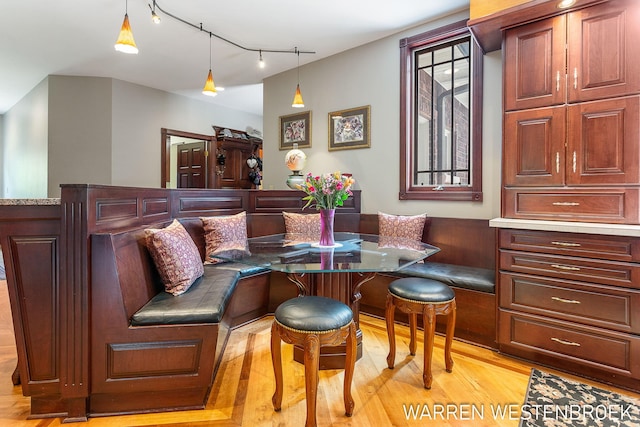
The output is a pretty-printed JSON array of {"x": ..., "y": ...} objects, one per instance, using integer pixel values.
[{"x": 326, "y": 191}]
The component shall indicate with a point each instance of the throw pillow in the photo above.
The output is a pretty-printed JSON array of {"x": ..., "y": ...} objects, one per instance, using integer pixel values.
[
  {"x": 408, "y": 227},
  {"x": 225, "y": 235},
  {"x": 175, "y": 255},
  {"x": 308, "y": 224}
]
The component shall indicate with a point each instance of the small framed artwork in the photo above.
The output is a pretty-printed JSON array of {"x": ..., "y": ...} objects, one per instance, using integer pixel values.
[
  {"x": 349, "y": 129},
  {"x": 295, "y": 129}
]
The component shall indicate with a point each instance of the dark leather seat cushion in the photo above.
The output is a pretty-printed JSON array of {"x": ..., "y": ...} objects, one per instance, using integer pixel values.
[
  {"x": 204, "y": 302},
  {"x": 243, "y": 269},
  {"x": 421, "y": 290},
  {"x": 477, "y": 279},
  {"x": 313, "y": 314}
]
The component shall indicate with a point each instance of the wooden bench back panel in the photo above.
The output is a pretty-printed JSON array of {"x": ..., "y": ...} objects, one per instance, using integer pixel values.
[{"x": 138, "y": 277}]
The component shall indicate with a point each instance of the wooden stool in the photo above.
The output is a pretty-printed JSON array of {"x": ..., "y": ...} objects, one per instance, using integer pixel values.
[
  {"x": 311, "y": 322},
  {"x": 414, "y": 295}
]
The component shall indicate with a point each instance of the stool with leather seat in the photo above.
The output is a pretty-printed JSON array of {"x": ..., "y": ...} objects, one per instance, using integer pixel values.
[
  {"x": 413, "y": 295},
  {"x": 311, "y": 322}
]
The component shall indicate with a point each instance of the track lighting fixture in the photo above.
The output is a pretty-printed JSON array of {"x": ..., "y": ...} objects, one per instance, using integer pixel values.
[
  {"x": 154, "y": 16},
  {"x": 125, "y": 42},
  {"x": 297, "y": 98},
  {"x": 261, "y": 63},
  {"x": 209, "y": 86}
]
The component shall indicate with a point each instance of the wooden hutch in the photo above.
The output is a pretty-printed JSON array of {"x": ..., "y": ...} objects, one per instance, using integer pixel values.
[{"x": 568, "y": 282}]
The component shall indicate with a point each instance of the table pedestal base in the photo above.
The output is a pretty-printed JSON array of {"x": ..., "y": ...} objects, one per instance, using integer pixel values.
[{"x": 344, "y": 287}]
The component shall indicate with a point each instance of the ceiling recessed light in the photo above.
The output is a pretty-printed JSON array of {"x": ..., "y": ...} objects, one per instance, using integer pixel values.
[{"x": 566, "y": 3}]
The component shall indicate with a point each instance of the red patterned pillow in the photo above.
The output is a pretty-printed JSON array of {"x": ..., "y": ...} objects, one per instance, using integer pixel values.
[
  {"x": 226, "y": 235},
  {"x": 175, "y": 255},
  {"x": 408, "y": 227}
]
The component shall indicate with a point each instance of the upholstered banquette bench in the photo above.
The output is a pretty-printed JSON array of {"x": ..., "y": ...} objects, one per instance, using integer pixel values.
[{"x": 151, "y": 349}]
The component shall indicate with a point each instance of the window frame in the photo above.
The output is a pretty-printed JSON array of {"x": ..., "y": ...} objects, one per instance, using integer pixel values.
[{"x": 408, "y": 47}]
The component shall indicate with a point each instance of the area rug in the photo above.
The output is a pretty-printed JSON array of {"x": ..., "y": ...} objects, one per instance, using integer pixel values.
[{"x": 553, "y": 401}]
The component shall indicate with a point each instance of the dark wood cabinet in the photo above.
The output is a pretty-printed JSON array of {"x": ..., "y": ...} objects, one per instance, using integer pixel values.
[
  {"x": 572, "y": 116},
  {"x": 571, "y": 152},
  {"x": 233, "y": 149},
  {"x": 570, "y": 300}
]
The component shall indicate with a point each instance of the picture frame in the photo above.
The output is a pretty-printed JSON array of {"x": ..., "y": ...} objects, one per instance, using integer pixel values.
[
  {"x": 295, "y": 129},
  {"x": 349, "y": 129}
]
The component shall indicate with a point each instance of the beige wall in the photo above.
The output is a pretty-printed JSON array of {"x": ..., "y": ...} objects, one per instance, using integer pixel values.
[
  {"x": 73, "y": 130},
  {"x": 24, "y": 145},
  {"x": 369, "y": 75}
]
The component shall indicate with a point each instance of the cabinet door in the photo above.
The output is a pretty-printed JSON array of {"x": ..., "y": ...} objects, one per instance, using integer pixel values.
[
  {"x": 602, "y": 146},
  {"x": 534, "y": 152},
  {"x": 603, "y": 58},
  {"x": 535, "y": 64}
]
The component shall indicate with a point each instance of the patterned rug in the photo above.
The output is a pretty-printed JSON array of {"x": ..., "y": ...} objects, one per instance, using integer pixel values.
[{"x": 553, "y": 401}]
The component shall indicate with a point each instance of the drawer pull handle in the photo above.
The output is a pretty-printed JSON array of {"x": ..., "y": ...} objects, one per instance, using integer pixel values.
[
  {"x": 563, "y": 342},
  {"x": 565, "y": 267},
  {"x": 567, "y": 301},
  {"x": 575, "y": 78},
  {"x": 566, "y": 204},
  {"x": 558, "y": 81},
  {"x": 567, "y": 244}
]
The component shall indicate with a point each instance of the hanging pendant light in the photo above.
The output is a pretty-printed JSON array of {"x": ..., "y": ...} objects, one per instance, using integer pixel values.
[
  {"x": 125, "y": 42},
  {"x": 297, "y": 98},
  {"x": 209, "y": 86}
]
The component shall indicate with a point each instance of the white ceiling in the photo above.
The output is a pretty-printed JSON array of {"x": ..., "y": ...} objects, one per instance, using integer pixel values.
[{"x": 76, "y": 37}]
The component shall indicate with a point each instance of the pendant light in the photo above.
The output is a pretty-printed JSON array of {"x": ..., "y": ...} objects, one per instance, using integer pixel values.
[
  {"x": 125, "y": 42},
  {"x": 209, "y": 86},
  {"x": 154, "y": 16},
  {"x": 297, "y": 98}
]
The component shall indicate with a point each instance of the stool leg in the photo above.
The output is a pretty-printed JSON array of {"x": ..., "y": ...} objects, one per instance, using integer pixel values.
[
  {"x": 276, "y": 360},
  {"x": 349, "y": 366},
  {"x": 413, "y": 328},
  {"x": 429, "y": 319},
  {"x": 311, "y": 367},
  {"x": 451, "y": 326},
  {"x": 391, "y": 333}
]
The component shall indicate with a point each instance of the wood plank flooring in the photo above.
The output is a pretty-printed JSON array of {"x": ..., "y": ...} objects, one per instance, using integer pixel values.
[{"x": 483, "y": 383}]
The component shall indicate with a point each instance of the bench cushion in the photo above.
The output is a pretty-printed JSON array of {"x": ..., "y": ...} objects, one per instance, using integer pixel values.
[
  {"x": 204, "y": 302},
  {"x": 478, "y": 279},
  {"x": 243, "y": 269}
]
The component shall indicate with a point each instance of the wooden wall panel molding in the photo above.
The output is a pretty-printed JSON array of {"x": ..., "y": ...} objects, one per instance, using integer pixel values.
[{"x": 153, "y": 359}]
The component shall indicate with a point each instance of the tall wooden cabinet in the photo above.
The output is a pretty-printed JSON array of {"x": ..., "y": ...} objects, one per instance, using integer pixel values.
[
  {"x": 569, "y": 292},
  {"x": 572, "y": 114},
  {"x": 233, "y": 149}
]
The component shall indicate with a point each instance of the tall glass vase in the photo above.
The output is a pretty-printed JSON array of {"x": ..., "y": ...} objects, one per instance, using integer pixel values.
[{"x": 326, "y": 227}]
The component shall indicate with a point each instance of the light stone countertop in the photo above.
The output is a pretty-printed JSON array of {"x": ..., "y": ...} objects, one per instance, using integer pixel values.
[
  {"x": 568, "y": 226},
  {"x": 26, "y": 202}
]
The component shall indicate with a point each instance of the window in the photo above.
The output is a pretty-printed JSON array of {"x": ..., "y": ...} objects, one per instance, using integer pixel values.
[{"x": 441, "y": 115}]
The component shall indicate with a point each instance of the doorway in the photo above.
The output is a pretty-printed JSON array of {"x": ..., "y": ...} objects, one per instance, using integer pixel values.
[{"x": 185, "y": 165}]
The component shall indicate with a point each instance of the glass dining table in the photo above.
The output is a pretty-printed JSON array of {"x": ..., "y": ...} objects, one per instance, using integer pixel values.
[{"x": 336, "y": 272}]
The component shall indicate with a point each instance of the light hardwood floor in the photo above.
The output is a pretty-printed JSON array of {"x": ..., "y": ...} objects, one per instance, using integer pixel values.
[{"x": 481, "y": 381}]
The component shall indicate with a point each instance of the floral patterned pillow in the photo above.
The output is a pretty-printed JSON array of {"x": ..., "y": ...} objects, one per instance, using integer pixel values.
[
  {"x": 307, "y": 224},
  {"x": 175, "y": 255},
  {"x": 408, "y": 227},
  {"x": 226, "y": 234}
]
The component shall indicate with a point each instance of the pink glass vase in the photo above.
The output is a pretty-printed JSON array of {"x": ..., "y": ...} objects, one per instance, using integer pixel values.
[{"x": 326, "y": 227}]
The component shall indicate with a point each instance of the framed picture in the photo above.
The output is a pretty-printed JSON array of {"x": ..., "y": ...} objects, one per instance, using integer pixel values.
[
  {"x": 295, "y": 129},
  {"x": 349, "y": 129}
]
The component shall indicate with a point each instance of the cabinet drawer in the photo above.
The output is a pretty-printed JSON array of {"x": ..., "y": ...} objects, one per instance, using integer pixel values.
[
  {"x": 615, "y": 248},
  {"x": 572, "y": 268},
  {"x": 613, "y": 205},
  {"x": 578, "y": 302},
  {"x": 614, "y": 352}
]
